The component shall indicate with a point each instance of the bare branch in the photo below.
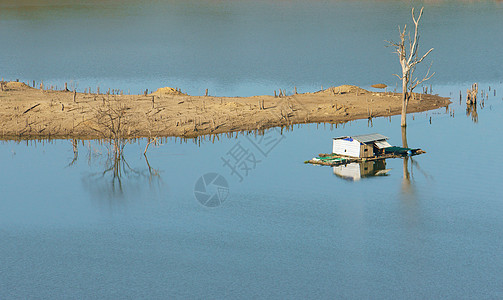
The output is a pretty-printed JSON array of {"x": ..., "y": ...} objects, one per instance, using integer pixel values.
[
  {"x": 423, "y": 57},
  {"x": 391, "y": 44},
  {"x": 425, "y": 78},
  {"x": 413, "y": 48}
]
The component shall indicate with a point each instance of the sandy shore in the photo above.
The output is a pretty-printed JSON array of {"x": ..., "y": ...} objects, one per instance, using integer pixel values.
[{"x": 27, "y": 113}]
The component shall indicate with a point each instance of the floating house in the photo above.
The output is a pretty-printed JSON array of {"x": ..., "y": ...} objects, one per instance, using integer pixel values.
[
  {"x": 360, "y": 149},
  {"x": 361, "y": 146}
]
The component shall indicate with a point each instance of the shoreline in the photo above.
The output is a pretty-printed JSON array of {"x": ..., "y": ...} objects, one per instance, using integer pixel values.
[{"x": 29, "y": 113}]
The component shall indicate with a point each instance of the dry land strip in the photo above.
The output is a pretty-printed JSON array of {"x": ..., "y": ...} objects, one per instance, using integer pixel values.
[{"x": 29, "y": 113}]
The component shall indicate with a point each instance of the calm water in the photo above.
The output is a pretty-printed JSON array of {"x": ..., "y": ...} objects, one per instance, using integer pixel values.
[
  {"x": 240, "y": 47},
  {"x": 286, "y": 230}
]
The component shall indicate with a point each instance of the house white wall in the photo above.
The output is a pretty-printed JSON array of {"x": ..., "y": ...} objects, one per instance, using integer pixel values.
[{"x": 345, "y": 147}]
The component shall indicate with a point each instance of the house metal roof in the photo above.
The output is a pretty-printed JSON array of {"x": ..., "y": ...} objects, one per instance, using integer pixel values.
[{"x": 367, "y": 138}]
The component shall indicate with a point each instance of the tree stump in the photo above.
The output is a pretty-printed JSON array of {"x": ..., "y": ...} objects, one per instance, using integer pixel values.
[{"x": 471, "y": 94}]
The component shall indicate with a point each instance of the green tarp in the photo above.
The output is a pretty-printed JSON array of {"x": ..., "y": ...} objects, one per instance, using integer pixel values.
[
  {"x": 398, "y": 150},
  {"x": 328, "y": 158}
]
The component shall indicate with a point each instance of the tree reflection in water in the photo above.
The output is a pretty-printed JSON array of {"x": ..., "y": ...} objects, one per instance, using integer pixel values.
[
  {"x": 406, "y": 182},
  {"x": 112, "y": 176},
  {"x": 408, "y": 173},
  {"x": 471, "y": 110}
]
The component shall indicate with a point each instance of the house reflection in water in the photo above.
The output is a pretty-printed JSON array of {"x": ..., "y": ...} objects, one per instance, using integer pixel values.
[{"x": 356, "y": 171}]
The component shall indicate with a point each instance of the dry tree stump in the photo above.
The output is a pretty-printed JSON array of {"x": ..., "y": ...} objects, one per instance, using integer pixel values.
[{"x": 471, "y": 94}]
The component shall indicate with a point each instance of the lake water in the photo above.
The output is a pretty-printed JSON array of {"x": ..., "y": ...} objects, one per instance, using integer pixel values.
[
  {"x": 284, "y": 229},
  {"x": 240, "y": 47}
]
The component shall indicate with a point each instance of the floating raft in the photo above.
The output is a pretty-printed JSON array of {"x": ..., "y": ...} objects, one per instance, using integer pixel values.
[{"x": 336, "y": 160}]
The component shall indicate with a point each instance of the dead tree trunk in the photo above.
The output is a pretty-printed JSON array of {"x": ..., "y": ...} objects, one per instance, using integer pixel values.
[
  {"x": 405, "y": 144},
  {"x": 405, "y": 102},
  {"x": 408, "y": 60}
]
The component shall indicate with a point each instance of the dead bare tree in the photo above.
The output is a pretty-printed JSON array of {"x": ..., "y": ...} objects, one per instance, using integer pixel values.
[
  {"x": 113, "y": 124},
  {"x": 409, "y": 59}
]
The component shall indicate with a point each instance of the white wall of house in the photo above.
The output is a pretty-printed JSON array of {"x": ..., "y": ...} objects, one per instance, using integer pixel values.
[{"x": 344, "y": 147}]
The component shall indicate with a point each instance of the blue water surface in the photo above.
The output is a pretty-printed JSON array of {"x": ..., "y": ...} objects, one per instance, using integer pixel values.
[{"x": 284, "y": 229}]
